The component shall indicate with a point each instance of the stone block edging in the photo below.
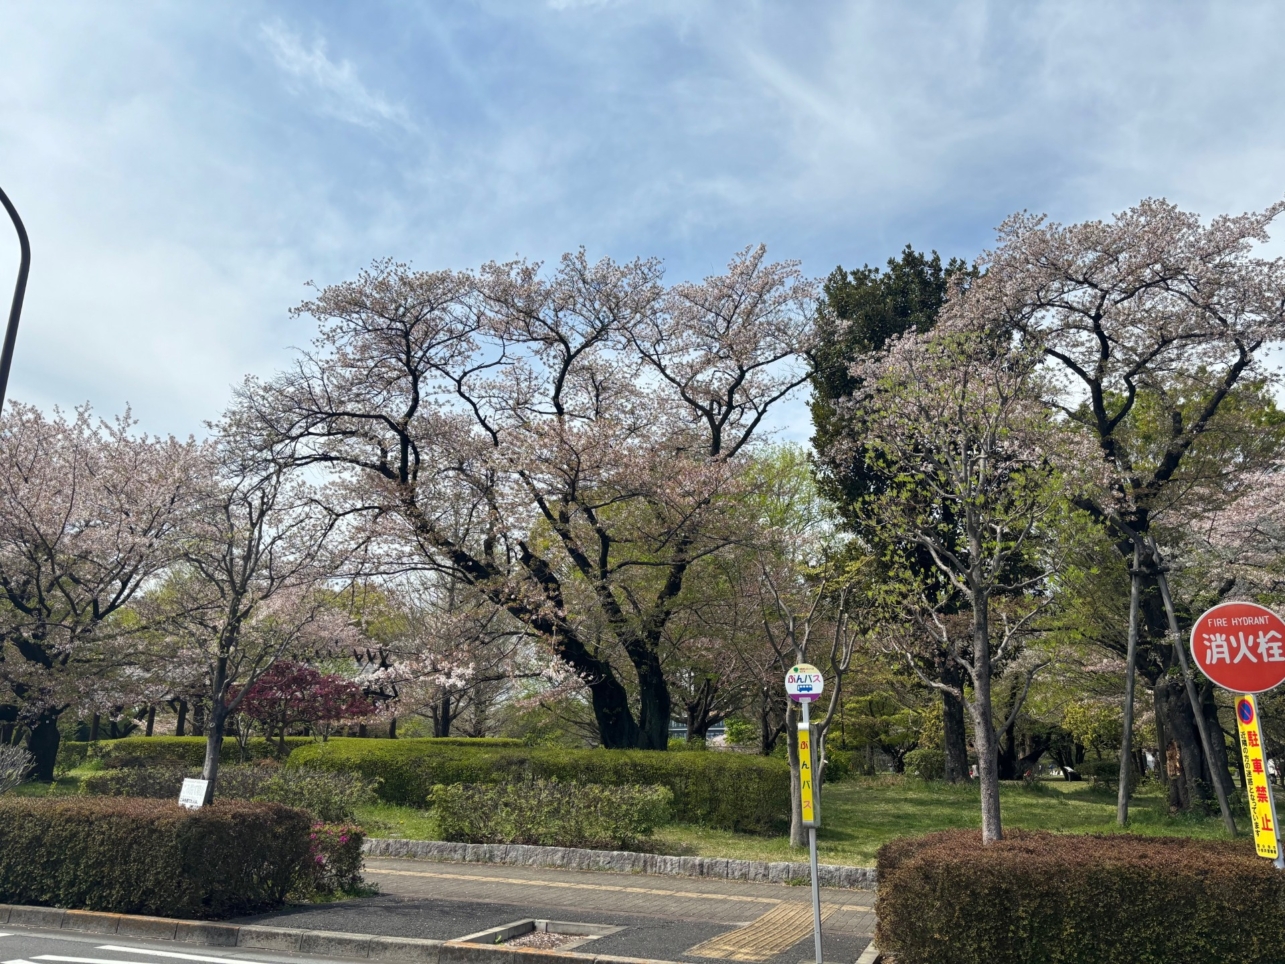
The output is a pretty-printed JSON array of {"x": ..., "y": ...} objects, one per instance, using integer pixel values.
[{"x": 621, "y": 861}]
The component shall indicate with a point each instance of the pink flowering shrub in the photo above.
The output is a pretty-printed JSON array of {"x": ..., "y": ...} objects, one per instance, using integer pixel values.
[{"x": 334, "y": 859}]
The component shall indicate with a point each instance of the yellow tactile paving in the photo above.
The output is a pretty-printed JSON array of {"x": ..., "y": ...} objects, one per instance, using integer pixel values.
[
  {"x": 776, "y": 931},
  {"x": 653, "y": 891}
]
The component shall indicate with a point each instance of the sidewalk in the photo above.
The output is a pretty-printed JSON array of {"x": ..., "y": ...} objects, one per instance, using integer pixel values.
[{"x": 674, "y": 918}]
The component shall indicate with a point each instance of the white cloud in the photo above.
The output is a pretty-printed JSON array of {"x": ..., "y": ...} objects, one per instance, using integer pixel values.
[{"x": 339, "y": 91}]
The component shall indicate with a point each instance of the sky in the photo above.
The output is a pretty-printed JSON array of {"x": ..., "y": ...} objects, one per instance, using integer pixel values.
[{"x": 184, "y": 169}]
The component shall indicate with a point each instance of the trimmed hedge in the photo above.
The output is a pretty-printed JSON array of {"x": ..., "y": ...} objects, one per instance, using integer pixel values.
[
  {"x": 132, "y": 856},
  {"x": 327, "y": 795},
  {"x": 1040, "y": 898},
  {"x": 550, "y": 814},
  {"x": 189, "y": 751},
  {"x": 731, "y": 791}
]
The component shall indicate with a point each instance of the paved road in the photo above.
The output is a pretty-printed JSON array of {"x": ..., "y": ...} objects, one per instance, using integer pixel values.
[
  {"x": 22, "y": 946},
  {"x": 673, "y": 918}
]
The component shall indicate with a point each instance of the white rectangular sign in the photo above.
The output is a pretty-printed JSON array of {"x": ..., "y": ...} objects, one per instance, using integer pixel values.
[{"x": 193, "y": 793}]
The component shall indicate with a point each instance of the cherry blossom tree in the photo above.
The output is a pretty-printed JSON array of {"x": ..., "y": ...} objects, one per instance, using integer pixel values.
[
  {"x": 591, "y": 423},
  {"x": 438, "y": 649},
  {"x": 90, "y": 511},
  {"x": 247, "y": 590},
  {"x": 1153, "y": 322},
  {"x": 961, "y": 426}
]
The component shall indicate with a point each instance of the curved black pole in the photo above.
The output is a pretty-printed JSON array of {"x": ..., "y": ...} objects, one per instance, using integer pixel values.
[{"x": 19, "y": 290}]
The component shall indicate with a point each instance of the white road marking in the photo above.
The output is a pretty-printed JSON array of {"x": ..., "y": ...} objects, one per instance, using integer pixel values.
[{"x": 16, "y": 960}]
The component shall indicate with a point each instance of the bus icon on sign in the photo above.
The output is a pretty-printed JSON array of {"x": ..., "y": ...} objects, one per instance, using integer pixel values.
[{"x": 804, "y": 682}]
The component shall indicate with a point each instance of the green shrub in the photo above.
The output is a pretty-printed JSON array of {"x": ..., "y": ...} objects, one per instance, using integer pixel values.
[
  {"x": 927, "y": 763},
  {"x": 1039, "y": 898},
  {"x": 549, "y": 813},
  {"x": 730, "y": 791},
  {"x": 134, "y": 856},
  {"x": 329, "y": 796},
  {"x": 189, "y": 751},
  {"x": 741, "y": 732},
  {"x": 838, "y": 766},
  {"x": 334, "y": 860}
]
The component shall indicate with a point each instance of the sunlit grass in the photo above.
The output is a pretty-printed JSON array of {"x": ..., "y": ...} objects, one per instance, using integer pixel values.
[{"x": 858, "y": 816}]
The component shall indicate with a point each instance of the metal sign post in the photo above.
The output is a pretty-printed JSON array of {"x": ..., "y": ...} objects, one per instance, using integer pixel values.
[
  {"x": 1241, "y": 647},
  {"x": 804, "y": 684}
]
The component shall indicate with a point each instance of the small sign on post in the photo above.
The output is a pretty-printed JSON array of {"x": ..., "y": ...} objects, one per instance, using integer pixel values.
[
  {"x": 1262, "y": 808},
  {"x": 1241, "y": 647},
  {"x": 192, "y": 795},
  {"x": 804, "y": 684}
]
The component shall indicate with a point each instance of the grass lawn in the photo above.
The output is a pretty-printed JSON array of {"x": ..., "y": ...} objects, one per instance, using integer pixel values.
[{"x": 861, "y": 814}]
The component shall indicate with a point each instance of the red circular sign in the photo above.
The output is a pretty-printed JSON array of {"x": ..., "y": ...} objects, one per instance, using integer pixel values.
[{"x": 1240, "y": 646}]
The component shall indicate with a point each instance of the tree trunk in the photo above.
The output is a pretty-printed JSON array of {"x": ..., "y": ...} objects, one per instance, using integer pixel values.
[
  {"x": 952, "y": 718},
  {"x": 93, "y": 728},
  {"x": 797, "y": 835},
  {"x": 1173, "y": 707},
  {"x": 442, "y": 715},
  {"x": 198, "y": 718},
  {"x": 654, "y": 706},
  {"x": 179, "y": 727},
  {"x": 42, "y": 744},
  {"x": 392, "y": 728},
  {"x": 1130, "y": 676},
  {"x": 213, "y": 747},
  {"x": 983, "y": 724},
  {"x": 151, "y": 720}
]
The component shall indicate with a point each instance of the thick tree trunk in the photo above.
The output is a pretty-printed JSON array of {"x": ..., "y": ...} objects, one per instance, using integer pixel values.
[
  {"x": 952, "y": 718},
  {"x": 654, "y": 706},
  {"x": 1174, "y": 709},
  {"x": 392, "y": 728},
  {"x": 93, "y": 728},
  {"x": 442, "y": 715},
  {"x": 42, "y": 744},
  {"x": 151, "y": 720},
  {"x": 181, "y": 725}
]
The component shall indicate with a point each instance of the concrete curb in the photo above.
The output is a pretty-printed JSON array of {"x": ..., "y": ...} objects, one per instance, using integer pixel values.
[
  {"x": 372, "y": 947},
  {"x": 571, "y": 858}
]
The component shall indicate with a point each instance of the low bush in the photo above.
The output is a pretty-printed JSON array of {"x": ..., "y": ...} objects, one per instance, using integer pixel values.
[
  {"x": 548, "y": 813},
  {"x": 927, "y": 763},
  {"x": 189, "y": 751},
  {"x": 838, "y": 766},
  {"x": 133, "y": 856},
  {"x": 15, "y": 763},
  {"x": 730, "y": 791},
  {"x": 334, "y": 860},
  {"x": 1039, "y": 898},
  {"x": 328, "y": 796}
]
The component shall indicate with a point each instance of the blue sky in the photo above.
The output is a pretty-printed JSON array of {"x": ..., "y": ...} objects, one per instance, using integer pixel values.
[{"x": 184, "y": 168}]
